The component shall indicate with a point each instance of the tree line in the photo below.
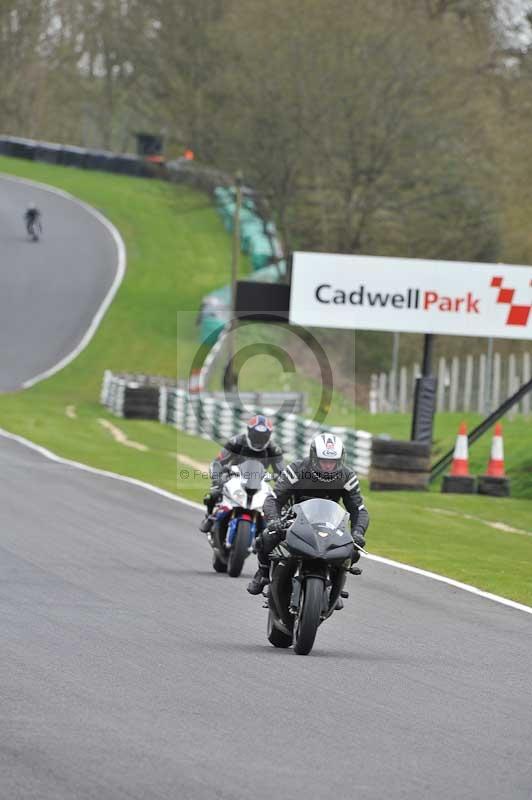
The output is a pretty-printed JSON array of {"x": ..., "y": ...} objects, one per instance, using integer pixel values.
[{"x": 392, "y": 128}]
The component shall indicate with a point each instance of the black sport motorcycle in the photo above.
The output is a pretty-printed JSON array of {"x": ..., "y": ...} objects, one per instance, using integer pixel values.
[{"x": 307, "y": 572}]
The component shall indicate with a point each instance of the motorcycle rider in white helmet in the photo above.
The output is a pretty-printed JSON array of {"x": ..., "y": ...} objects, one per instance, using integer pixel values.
[{"x": 324, "y": 475}]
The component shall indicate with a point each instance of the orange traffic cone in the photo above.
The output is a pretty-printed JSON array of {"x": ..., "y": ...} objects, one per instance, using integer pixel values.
[
  {"x": 460, "y": 465},
  {"x": 496, "y": 462},
  {"x": 494, "y": 482},
  {"x": 459, "y": 481}
]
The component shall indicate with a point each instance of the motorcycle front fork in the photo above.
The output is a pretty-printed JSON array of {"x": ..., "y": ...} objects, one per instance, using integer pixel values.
[
  {"x": 333, "y": 588},
  {"x": 233, "y": 522}
]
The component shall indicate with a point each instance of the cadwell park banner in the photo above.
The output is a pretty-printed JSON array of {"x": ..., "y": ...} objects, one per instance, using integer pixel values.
[{"x": 411, "y": 295}]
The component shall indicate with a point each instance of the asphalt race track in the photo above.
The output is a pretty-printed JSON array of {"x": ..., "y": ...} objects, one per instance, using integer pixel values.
[
  {"x": 130, "y": 670},
  {"x": 49, "y": 290}
]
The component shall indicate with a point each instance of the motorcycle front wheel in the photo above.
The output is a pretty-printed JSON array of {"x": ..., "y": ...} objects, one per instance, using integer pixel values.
[
  {"x": 239, "y": 549},
  {"x": 311, "y": 605}
]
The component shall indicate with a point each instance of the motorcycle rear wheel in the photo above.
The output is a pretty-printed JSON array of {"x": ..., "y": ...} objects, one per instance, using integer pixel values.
[
  {"x": 239, "y": 549},
  {"x": 309, "y": 615}
]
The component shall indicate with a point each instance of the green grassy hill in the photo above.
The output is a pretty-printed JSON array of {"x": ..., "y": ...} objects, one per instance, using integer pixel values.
[{"x": 178, "y": 251}]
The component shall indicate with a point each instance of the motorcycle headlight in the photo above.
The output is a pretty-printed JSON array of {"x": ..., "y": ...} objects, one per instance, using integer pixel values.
[{"x": 240, "y": 496}]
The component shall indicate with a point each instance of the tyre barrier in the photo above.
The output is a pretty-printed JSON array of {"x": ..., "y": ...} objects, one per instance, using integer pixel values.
[
  {"x": 135, "y": 396},
  {"x": 215, "y": 417},
  {"x": 459, "y": 484},
  {"x": 71, "y": 156},
  {"x": 493, "y": 486},
  {"x": 399, "y": 465}
]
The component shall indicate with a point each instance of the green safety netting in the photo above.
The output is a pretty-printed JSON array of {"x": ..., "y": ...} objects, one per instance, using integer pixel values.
[{"x": 258, "y": 239}]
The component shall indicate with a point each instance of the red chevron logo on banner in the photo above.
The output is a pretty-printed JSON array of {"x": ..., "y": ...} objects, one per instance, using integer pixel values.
[{"x": 517, "y": 314}]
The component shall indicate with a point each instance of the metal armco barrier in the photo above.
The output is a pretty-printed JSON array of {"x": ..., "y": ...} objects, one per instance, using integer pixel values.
[{"x": 218, "y": 419}]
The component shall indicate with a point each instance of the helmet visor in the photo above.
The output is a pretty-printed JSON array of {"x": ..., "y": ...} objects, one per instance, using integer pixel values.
[
  {"x": 328, "y": 464},
  {"x": 259, "y": 437}
]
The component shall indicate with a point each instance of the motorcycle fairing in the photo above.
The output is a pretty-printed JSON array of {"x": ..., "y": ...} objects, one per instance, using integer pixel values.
[{"x": 320, "y": 530}]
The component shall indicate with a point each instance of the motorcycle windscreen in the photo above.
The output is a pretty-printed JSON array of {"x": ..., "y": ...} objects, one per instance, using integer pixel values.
[
  {"x": 251, "y": 474},
  {"x": 320, "y": 530}
]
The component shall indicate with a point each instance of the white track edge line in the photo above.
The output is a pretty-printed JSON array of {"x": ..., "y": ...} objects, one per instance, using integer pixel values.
[
  {"x": 95, "y": 471},
  {"x": 466, "y": 587},
  {"x": 106, "y": 302}
]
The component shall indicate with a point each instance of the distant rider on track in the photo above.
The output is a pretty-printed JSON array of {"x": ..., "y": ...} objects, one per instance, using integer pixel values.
[
  {"x": 322, "y": 475},
  {"x": 255, "y": 443},
  {"x": 32, "y": 218}
]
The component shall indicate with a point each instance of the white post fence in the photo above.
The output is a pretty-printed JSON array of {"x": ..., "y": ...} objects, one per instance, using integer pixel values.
[{"x": 462, "y": 385}]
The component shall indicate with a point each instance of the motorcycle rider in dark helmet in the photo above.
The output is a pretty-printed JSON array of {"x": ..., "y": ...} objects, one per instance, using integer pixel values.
[
  {"x": 32, "y": 216},
  {"x": 254, "y": 443},
  {"x": 323, "y": 475}
]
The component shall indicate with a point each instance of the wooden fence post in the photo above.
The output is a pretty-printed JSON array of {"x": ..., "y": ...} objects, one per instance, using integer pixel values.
[
  {"x": 374, "y": 394},
  {"x": 455, "y": 378},
  {"x": 525, "y": 403},
  {"x": 440, "y": 397},
  {"x": 392, "y": 390},
  {"x": 468, "y": 384},
  {"x": 496, "y": 381},
  {"x": 481, "y": 383},
  {"x": 403, "y": 378},
  {"x": 512, "y": 383},
  {"x": 382, "y": 392}
]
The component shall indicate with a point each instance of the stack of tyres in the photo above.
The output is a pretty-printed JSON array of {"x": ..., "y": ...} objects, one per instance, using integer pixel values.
[
  {"x": 99, "y": 160},
  {"x": 73, "y": 157},
  {"x": 49, "y": 153},
  {"x": 22, "y": 148},
  {"x": 399, "y": 465},
  {"x": 141, "y": 402}
]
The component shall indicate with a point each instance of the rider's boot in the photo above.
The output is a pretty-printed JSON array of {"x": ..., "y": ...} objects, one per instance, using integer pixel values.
[
  {"x": 209, "y": 501},
  {"x": 260, "y": 579},
  {"x": 206, "y": 524}
]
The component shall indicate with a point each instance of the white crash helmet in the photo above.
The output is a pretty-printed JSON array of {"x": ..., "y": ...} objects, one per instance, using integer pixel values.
[{"x": 326, "y": 456}]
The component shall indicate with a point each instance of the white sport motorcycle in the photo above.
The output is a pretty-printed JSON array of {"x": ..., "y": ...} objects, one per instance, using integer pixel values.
[{"x": 238, "y": 516}]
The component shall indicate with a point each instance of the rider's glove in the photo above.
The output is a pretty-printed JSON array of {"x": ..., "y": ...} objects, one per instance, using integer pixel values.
[
  {"x": 269, "y": 538},
  {"x": 358, "y": 538}
]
